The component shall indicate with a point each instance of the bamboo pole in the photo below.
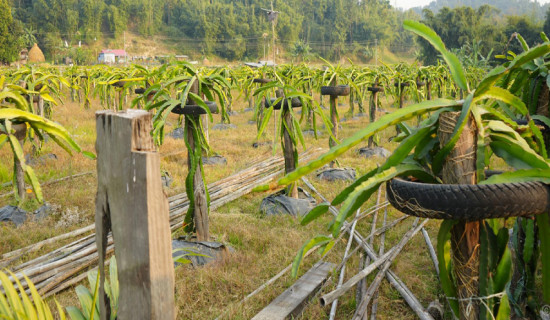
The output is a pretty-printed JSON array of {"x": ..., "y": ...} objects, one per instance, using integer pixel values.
[
  {"x": 362, "y": 309},
  {"x": 394, "y": 280},
  {"x": 58, "y": 268},
  {"x": 374, "y": 309}
]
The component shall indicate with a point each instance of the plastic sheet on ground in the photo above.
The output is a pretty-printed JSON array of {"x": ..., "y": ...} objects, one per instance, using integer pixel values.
[
  {"x": 280, "y": 203},
  {"x": 333, "y": 174}
]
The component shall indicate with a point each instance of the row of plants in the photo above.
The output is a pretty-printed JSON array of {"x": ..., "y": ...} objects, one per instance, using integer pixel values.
[{"x": 508, "y": 108}]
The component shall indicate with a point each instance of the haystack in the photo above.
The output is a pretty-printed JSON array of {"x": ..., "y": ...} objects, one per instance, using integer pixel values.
[{"x": 36, "y": 55}]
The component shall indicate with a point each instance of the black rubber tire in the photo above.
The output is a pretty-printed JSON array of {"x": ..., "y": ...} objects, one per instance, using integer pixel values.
[
  {"x": 403, "y": 84},
  {"x": 119, "y": 84},
  {"x": 375, "y": 89},
  {"x": 262, "y": 81},
  {"x": 139, "y": 90},
  {"x": 295, "y": 103},
  {"x": 192, "y": 109},
  {"x": 542, "y": 125},
  {"x": 468, "y": 202},
  {"x": 337, "y": 91},
  {"x": 420, "y": 84}
]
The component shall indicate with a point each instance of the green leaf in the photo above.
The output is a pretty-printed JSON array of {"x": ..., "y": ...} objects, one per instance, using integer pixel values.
[
  {"x": 517, "y": 156},
  {"x": 452, "y": 61},
  {"x": 444, "y": 257},
  {"x": 503, "y": 272},
  {"x": 85, "y": 298},
  {"x": 75, "y": 313},
  {"x": 543, "y": 222},
  {"x": 315, "y": 213},
  {"x": 317, "y": 241},
  {"x": 504, "y": 96},
  {"x": 89, "y": 155},
  {"x": 504, "y": 309},
  {"x": 523, "y": 175}
]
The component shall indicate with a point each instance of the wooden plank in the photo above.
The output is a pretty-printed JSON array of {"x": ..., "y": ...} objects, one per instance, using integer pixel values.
[
  {"x": 130, "y": 202},
  {"x": 291, "y": 302}
]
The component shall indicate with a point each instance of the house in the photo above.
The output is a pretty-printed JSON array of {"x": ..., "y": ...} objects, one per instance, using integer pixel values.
[{"x": 112, "y": 56}]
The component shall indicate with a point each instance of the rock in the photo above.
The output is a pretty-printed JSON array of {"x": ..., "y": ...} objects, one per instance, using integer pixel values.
[
  {"x": 332, "y": 174},
  {"x": 251, "y": 122},
  {"x": 224, "y": 126},
  {"x": 248, "y": 110},
  {"x": 214, "y": 160},
  {"x": 280, "y": 203},
  {"x": 176, "y": 133},
  {"x": 376, "y": 151},
  {"x": 199, "y": 253},
  {"x": 232, "y": 113},
  {"x": 361, "y": 114},
  {"x": 13, "y": 214}
]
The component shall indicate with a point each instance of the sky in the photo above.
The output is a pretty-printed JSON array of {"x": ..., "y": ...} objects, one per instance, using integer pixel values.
[{"x": 406, "y": 4}]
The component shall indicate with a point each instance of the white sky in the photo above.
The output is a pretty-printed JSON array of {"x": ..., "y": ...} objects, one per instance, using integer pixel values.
[{"x": 406, "y": 4}]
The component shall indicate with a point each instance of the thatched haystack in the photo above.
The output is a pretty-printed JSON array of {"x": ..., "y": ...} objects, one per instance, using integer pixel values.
[{"x": 36, "y": 55}]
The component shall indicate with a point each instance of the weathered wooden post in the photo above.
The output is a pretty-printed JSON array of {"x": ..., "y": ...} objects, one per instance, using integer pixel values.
[
  {"x": 131, "y": 203},
  {"x": 372, "y": 107},
  {"x": 334, "y": 91},
  {"x": 192, "y": 117},
  {"x": 289, "y": 148},
  {"x": 460, "y": 168},
  {"x": 333, "y": 117}
]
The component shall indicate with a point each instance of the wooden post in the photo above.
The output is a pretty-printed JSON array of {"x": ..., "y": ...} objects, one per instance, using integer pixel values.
[
  {"x": 333, "y": 118},
  {"x": 201, "y": 205},
  {"x": 372, "y": 111},
  {"x": 428, "y": 90},
  {"x": 289, "y": 148},
  {"x": 460, "y": 168},
  {"x": 130, "y": 202}
]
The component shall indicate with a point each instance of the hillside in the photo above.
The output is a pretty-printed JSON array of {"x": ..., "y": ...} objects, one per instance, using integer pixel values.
[{"x": 506, "y": 7}]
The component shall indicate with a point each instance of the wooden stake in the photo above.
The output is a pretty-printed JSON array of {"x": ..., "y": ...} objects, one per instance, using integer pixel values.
[
  {"x": 192, "y": 123},
  {"x": 333, "y": 119},
  {"x": 460, "y": 168},
  {"x": 289, "y": 149},
  {"x": 130, "y": 202}
]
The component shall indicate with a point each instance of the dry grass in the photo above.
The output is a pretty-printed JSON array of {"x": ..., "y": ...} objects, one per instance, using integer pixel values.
[{"x": 263, "y": 245}]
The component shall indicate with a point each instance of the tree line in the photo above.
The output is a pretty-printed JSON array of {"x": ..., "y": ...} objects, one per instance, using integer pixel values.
[{"x": 240, "y": 29}]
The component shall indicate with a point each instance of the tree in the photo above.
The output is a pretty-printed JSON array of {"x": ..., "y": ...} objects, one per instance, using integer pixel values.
[{"x": 10, "y": 34}]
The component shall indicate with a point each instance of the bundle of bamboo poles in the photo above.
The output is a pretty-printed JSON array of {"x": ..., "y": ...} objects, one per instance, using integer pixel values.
[{"x": 64, "y": 266}]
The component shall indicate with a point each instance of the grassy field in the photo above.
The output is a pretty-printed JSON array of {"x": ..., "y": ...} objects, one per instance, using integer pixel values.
[{"x": 263, "y": 245}]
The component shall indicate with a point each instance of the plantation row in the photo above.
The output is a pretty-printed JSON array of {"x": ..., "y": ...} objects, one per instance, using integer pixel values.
[{"x": 444, "y": 160}]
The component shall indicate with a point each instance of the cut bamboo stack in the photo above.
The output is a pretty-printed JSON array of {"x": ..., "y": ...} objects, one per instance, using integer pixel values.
[{"x": 64, "y": 266}]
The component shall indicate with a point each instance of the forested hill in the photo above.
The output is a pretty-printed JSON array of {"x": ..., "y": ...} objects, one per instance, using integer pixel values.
[
  {"x": 506, "y": 7},
  {"x": 232, "y": 29}
]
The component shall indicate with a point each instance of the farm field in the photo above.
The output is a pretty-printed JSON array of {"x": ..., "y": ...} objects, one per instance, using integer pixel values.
[
  {"x": 465, "y": 155},
  {"x": 263, "y": 245}
]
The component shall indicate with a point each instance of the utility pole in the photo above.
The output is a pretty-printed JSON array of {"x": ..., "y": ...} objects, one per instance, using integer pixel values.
[{"x": 272, "y": 17}]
